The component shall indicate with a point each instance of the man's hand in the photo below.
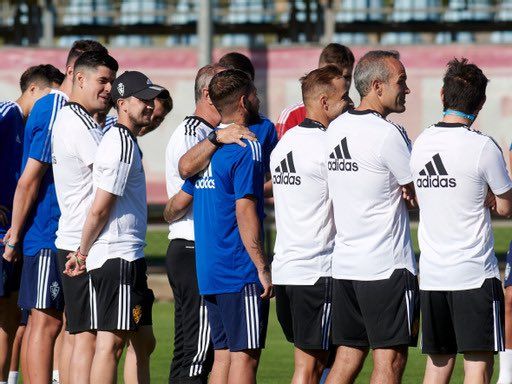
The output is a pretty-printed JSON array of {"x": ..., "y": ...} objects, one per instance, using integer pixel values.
[
  {"x": 75, "y": 265},
  {"x": 409, "y": 196},
  {"x": 12, "y": 251},
  {"x": 266, "y": 281},
  {"x": 490, "y": 201},
  {"x": 4, "y": 215},
  {"x": 234, "y": 133}
]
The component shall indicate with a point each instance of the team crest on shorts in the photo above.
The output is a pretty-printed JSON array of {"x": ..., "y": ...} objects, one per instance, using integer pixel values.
[
  {"x": 507, "y": 271},
  {"x": 54, "y": 289},
  {"x": 137, "y": 313}
]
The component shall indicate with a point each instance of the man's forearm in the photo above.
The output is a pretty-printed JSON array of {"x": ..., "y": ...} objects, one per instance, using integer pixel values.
[
  {"x": 196, "y": 159},
  {"x": 92, "y": 228},
  {"x": 176, "y": 208},
  {"x": 250, "y": 231}
]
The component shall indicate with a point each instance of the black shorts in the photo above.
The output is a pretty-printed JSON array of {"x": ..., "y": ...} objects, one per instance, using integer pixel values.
[
  {"x": 304, "y": 312},
  {"x": 10, "y": 274},
  {"x": 123, "y": 298},
  {"x": 463, "y": 321},
  {"x": 79, "y": 299},
  {"x": 376, "y": 314}
]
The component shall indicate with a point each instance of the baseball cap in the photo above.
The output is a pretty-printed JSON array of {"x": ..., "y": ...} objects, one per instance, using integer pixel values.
[{"x": 137, "y": 84}]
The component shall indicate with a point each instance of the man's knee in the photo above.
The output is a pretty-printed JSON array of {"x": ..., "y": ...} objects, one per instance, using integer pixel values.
[
  {"x": 508, "y": 299},
  {"x": 390, "y": 359}
]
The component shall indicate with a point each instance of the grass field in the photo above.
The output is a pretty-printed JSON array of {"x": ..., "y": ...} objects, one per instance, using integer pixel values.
[{"x": 277, "y": 359}]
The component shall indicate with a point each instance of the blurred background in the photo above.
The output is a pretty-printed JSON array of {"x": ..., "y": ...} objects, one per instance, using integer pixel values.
[{"x": 169, "y": 40}]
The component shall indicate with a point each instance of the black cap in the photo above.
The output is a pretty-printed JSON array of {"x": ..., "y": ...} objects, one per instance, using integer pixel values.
[{"x": 133, "y": 83}]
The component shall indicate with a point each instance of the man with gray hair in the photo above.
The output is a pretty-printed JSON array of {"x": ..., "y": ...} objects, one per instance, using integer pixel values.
[
  {"x": 193, "y": 355},
  {"x": 375, "y": 290}
]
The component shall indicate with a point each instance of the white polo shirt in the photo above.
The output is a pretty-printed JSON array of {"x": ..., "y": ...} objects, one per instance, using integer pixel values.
[
  {"x": 303, "y": 209},
  {"x": 118, "y": 169},
  {"x": 75, "y": 139},
  {"x": 190, "y": 132},
  {"x": 453, "y": 168},
  {"x": 367, "y": 162}
]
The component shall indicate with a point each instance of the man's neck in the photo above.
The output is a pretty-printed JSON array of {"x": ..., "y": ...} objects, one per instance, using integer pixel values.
[
  {"x": 374, "y": 105},
  {"x": 135, "y": 130},
  {"x": 25, "y": 105},
  {"x": 66, "y": 86},
  {"x": 206, "y": 113},
  {"x": 452, "y": 119},
  {"x": 317, "y": 116}
]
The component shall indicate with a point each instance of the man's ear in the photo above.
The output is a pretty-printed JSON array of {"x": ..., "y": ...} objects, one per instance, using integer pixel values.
[
  {"x": 324, "y": 103},
  {"x": 243, "y": 102},
  {"x": 32, "y": 88},
  {"x": 80, "y": 79},
  {"x": 206, "y": 95},
  {"x": 377, "y": 87},
  {"x": 69, "y": 71}
]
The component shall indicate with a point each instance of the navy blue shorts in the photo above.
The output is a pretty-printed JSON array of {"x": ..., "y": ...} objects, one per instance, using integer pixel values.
[
  {"x": 10, "y": 274},
  {"x": 238, "y": 321},
  {"x": 41, "y": 286},
  {"x": 508, "y": 266},
  {"x": 25, "y": 313}
]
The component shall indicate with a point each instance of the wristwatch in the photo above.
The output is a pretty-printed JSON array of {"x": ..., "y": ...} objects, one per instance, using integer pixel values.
[{"x": 212, "y": 136}]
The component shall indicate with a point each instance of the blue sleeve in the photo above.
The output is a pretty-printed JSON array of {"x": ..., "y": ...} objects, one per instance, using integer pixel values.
[
  {"x": 38, "y": 124},
  {"x": 510, "y": 149},
  {"x": 248, "y": 173},
  {"x": 188, "y": 185}
]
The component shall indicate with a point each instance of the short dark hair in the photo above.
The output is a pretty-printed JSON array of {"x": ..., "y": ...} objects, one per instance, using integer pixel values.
[
  {"x": 81, "y": 46},
  {"x": 372, "y": 66},
  {"x": 44, "y": 75},
  {"x": 317, "y": 79},
  {"x": 236, "y": 60},
  {"x": 95, "y": 59},
  {"x": 203, "y": 78},
  {"x": 167, "y": 102},
  {"x": 464, "y": 86},
  {"x": 227, "y": 87},
  {"x": 337, "y": 54}
]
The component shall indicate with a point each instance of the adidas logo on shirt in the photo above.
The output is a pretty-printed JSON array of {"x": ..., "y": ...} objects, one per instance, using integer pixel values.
[
  {"x": 435, "y": 175},
  {"x": 285, "y": 172},
  {"x": 206, "y": 181},
  {"x": 341, "y": 159}
]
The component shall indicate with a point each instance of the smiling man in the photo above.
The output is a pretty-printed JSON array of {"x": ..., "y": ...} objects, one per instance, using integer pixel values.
[{"x": 75, "y": 139}]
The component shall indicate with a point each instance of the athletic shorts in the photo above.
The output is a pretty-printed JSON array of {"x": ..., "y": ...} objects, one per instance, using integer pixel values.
[
  {"x": 304, "y": 312},
  {"x": 376, "y": 314},
  {"x": 79, "y": 298},
  {"x": 463, "y": 321},
  {"x": 41, "y": 286},
  {"x": 123, "y": 300},
  {"x": 25, "y": 313},
  {"x": 10, "y": 275},
  {"x": 238, "y": 321},
  {"x": 508, "y": 266}
]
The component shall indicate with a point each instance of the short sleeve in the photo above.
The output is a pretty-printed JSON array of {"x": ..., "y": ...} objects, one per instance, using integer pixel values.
[
  {"x": 39, "y": 122},
  {"x": 396, "y": 154},
  {"x": 270, "y": 144},
  {"x": 113, "y": 162},
  {"x": 86, "y": 143},
  {"x": 188, "y": 185},
  {"x": 248, "y": 172},
  {"x": 492, "y": 167}
]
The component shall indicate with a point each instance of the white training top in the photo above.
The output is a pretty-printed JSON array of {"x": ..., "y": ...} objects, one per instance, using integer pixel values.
[
  {"x": 75, "y": 139},
  {"x": 453, "y": 168},
  {"x": 303, "y": 209},
  {"x": 118, "y": 170},
  {"x": 368, "y": 161},
  {"x": 190, "y": 132}
]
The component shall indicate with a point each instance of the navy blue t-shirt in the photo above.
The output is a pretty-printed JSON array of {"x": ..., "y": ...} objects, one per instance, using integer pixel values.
[
  {"x": 235, "y": 172},
  {"x": 12, "y": 125},
  {"x": 41, "y": 224}
]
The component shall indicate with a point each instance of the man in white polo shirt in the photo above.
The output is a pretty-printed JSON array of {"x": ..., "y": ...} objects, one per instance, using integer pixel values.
[
  {"x": 461, "y": 294},
  {"x": 375, "y": 290},
  {"x": 305, "y": 224}
]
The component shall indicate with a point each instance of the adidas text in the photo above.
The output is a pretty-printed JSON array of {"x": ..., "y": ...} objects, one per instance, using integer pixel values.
[
  {"x": 436, "y": 182},
  {"x": 286, "y": 179},
  {"x": 205, "y": 184},
  {"x": 342, "y": 165}
]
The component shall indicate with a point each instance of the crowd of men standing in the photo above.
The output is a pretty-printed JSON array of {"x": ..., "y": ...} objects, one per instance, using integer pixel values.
[{"x": 342, "y": 178}]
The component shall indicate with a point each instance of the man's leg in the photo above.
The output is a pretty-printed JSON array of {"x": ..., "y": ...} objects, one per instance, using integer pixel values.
[
  {"x": 347, "y": 365},
  {"x": 57, "y": 353},
  {"x": 309, "y": 365},
  {"x": 389, "y": 365},
  {"x": 108, "y": 351},
  {"x": 478, "y": 367},
  {"x": 45, "y": 327},
  {"x": 68, "y": 342},
  {"x": 140, "y": 347},
  {"x": 8, "y": 325},
  {"x": 24, "y": 352},
  {"x": 15, "y": 354},
  {"x": 82, "y": 356},
  {"x": 220, "y": 369},
  {"x": 243, "y": 366},
  {"x": 439, "y": 369},
  {"x": 505, "y": 376}
]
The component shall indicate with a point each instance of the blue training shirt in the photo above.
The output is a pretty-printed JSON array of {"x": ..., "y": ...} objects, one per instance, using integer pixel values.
[
  {"x": 11, "y": 150},
  {"x": 41, "y": 224},
  {"x": 222, "y": 262},
  {"x": 266, "y": 134}
]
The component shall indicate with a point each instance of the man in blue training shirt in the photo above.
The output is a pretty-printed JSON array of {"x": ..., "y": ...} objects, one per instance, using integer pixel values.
[
  {"x": 232, "y": 270},
  {"x": 35, "y": 83},
  {"x": 34, "y": 224}
]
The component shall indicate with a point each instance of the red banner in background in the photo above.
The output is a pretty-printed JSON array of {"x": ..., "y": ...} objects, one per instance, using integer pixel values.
[{"x": 277, "y": 72}]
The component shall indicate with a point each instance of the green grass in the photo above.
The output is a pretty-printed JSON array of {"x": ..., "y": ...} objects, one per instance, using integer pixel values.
[{"x": 277, "y": 359}]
